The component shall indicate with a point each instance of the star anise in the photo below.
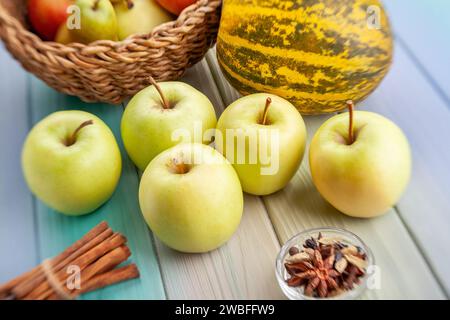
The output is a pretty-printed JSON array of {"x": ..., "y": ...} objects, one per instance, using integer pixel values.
[
  {"x": 311, "y": 243},
  {"x": 319, "y": 275},
  {"x": 325, "y": 266}
]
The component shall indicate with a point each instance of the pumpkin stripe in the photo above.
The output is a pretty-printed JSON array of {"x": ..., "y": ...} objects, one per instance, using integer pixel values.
[
  {"x": 300, "y": 56},
  {"x": 315, "y": 18},
  {"x": 285, "y": 92},
  {"x": 316, "y": 53},
  {"x": 299, "y": 36},
  {"x": 283, "y": 71},
  {"x": 313, "y": 106}
]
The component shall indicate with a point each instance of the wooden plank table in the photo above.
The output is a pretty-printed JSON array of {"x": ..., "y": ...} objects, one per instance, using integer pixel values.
[{"x": 410, "y": 243}]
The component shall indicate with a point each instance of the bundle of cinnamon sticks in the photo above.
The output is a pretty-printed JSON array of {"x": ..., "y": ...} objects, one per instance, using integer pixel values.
[{"x": 87, "y": 265}]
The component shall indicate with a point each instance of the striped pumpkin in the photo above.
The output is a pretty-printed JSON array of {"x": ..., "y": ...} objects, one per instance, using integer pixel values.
[{"x": 315, "y": 53}]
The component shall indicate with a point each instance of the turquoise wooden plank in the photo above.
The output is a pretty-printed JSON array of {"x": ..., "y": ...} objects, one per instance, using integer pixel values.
[
  {"x": 122, "y": 211},
  {"x": 423, "y": 27},
  {"x": 408, "y": 99},
  {"x": 17, "y": 233}
]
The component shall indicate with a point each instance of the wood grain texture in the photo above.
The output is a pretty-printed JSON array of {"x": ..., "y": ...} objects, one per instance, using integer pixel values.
[
  {"x": 422, "y": 107},
  {"x": 410, "y": 101},
  {"x": 17, "y": 234},
  {"x": 406, "y": 96},
  {"x": 423, "y": 28},
  {"x": 122, "y": 212},
  {"x": 241, "y": 269},
  {"x": 299, "y": 206}
]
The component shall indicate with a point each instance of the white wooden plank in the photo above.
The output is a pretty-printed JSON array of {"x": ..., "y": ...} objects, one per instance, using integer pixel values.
[
  {"x": 409, "y": 100},
  {"x": 299, "y": 206},
  {"x": 241, "y": 269},
  {"x": 17, "y": 233}
]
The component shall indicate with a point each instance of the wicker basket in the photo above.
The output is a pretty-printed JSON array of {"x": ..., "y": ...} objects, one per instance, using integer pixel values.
[{"x": 107, "y": 71}]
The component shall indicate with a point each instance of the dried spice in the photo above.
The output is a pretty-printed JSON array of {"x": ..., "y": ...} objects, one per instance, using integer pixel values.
[
  {"x": 340, "y": 265},
  {"x": 297, "y": 257},
  {"x": 293, "y": 251},
  {"x": 98, "y": 254},
  {"x": 310, "y": 243},
  {"x": 325, "y": 267}
]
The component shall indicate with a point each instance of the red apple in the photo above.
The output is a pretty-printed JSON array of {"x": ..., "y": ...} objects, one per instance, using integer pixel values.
[
  {"x": 175, "y": 6},
  {"x": 47, "y": 15}
]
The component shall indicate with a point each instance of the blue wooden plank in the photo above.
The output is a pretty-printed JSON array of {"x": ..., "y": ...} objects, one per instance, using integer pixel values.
[
  {"x": 122, "y": 212},
  {"x": 17, "y": 233},
  {"x": 422, "y": 28}
]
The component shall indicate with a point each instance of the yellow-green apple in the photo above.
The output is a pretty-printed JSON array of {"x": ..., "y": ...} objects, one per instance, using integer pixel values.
[
  {"x": 360, "y": 163},
  {"x": 191, "y": 198},
  {"x": 47, "y": 15},
  {"x": 139, "y": 16},
  {"x": 71, "y": 162},
  {"x": 66, "y": 36},
  {"x": 175, "y": 6},
  {"x": 264, "y": 137},
  {"x": 163, "y": 115},
  {"x": 97, "y": 21}
]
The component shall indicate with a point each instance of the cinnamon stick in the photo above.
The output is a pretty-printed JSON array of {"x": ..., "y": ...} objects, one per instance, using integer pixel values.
[
  {"x": 38, "y": 278},
  {"x": 96, "y": 254},
  {"x": 116, "y": 240},
  {"x": 111, "y": 277},
  {"x": 105, "y": 263},
  {"x": 6, "y": 288},
  {"x": 24, "y": 282}
]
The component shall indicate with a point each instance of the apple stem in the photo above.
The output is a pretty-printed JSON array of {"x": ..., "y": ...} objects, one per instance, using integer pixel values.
[
  {"x": 351, "y": 107},
  {"x": 73, "y": 138},
  {"x": 178, "y": 167},
  {"x": 95, "y": 5},
  {"x": 166, "y": 104},
  {"x": 266, "y": 111}
]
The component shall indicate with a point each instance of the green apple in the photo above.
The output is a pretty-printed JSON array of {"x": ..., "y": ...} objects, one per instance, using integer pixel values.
[
  {"x": 97, "y": 21},
  {"x": 360, "y": 163},
  {"x": 264, "y": 137},
  {"x": 191, "y": 198},
  {"x": 139, "y": 16},
  {"x": 71, "y": 162},
  {"x": 155, "y": 117},
  {"x": 66, "y": 36}
]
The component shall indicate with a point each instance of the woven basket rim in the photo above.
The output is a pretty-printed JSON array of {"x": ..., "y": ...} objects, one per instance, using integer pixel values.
[
  {"x": 156, "y": 35},
  {"x": 110, "y": 71}
]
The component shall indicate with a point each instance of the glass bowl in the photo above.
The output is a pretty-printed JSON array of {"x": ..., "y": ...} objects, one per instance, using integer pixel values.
[{"x": 296, "y": 293}]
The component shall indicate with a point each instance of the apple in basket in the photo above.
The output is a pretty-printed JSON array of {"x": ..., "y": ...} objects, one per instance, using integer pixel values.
[
  {"x": 176, "y": 6},
  {"x": 46, "y": 16},
  {"x": 98, "y": 21},
  {"x": 138, "y": 16}
]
